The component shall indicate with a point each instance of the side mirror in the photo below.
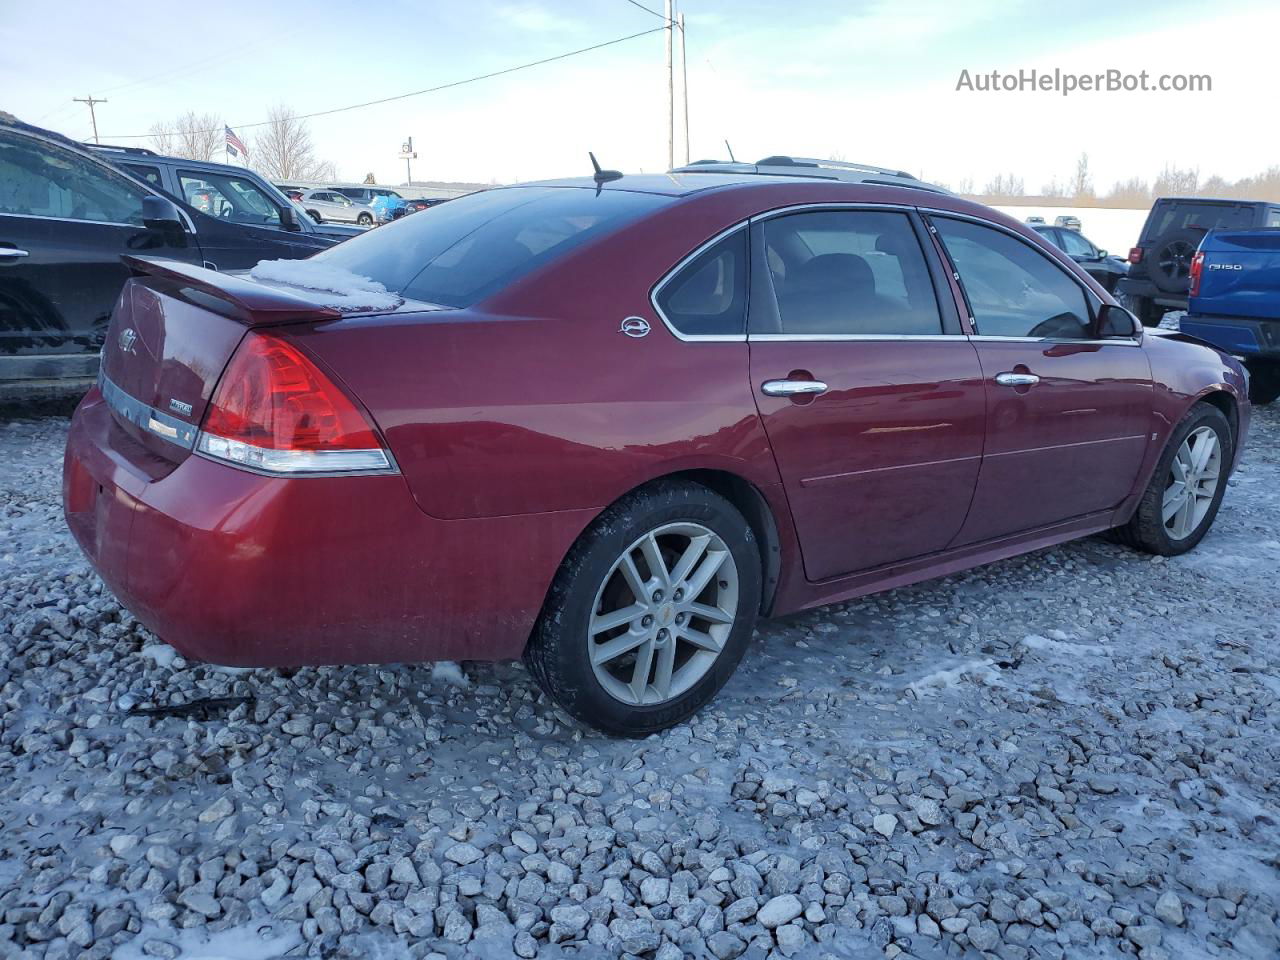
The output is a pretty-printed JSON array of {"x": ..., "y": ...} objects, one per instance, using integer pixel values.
[
  {"x": 161, "y": 215},
  {"x": 1102, "y": 254},
  {"x": 1116, "y": 322},
  {"x": 288, "y": 220}
]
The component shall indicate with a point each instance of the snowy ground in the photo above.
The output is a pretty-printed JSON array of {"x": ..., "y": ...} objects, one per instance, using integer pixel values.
[{"x": 1071, "y": 754}]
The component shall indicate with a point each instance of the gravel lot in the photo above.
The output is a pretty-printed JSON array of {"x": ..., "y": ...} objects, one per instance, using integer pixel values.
[{"x": 1072, "y": 754}]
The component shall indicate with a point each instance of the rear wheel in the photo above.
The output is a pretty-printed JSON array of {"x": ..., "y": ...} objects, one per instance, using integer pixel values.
[
  {"x": 1264, "y": 381},
  {"x": 1182, "y": 499},
  {"x": 364, "y": 220},
  {"x": 651, "y": 611}
]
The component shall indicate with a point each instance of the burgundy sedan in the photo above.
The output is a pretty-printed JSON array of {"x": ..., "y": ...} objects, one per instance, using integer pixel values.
[{"x": 604, "y": 426}]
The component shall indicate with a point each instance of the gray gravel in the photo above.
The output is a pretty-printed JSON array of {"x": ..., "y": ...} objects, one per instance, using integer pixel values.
[{"x": 1071, "y": 754}]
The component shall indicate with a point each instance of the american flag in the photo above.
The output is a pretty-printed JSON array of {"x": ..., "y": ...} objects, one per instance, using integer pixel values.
[{"x": 235, "y": 146}]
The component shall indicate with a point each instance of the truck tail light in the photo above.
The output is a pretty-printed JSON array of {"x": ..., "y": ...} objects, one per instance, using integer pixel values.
[
  {"x": 1197, "y": 268},
  {"x": 275, "y": 411},
  {"x": 1135, "y": 254}
]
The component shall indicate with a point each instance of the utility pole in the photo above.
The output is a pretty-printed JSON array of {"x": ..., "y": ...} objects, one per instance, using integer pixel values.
[
  {"x": 92, "y": 116},
  {"x": 671, "y": 93},
  {"x": 684, "y": 86},
  {"x": 407, "y": 154}
]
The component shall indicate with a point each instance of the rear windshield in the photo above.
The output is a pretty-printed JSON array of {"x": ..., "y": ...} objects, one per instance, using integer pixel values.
[
  {"x": 458, "y": 253},
  {"x": 1175, "y": 215}
]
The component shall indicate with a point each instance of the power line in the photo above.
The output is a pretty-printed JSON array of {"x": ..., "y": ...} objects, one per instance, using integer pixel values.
[
  {"x": 417, "y": 93},
  {"x": 647, "y": 9}
]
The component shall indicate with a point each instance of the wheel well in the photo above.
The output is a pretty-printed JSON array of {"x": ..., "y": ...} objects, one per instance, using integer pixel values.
[
  {"x": 1226, "y": 403},
  {"x": 751, "y": 503}
]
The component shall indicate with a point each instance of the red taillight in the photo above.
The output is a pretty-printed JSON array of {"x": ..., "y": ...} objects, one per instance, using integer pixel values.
[
  {"x": 1135, "y": 254},
  {"x": 275, "y": 410},
  {"x": 1197, "y": 268}
]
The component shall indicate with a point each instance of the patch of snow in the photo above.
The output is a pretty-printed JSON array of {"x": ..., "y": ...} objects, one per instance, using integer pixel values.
[
  {"x": 980, "y": 671},
  {"x": 161, "y": 654},
  {"x": 336, "y": 287},
  {"x": 450, "y": 672},
  {"x": 255, "y": 941},
  {"x": 1034, "y": 641}
]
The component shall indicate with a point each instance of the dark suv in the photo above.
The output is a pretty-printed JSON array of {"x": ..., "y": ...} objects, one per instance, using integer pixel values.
[
  {"x": 66, "y": 219},
  {"x": 221, "y": 190},
  {"x": 1160, "y": 265}
]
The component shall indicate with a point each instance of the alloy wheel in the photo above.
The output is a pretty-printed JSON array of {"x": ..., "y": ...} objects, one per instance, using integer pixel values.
[
  {"x": 1193, "y": 481},
  {"x": 663, "y": 613},
  {"x": 1175, "y": 260}
]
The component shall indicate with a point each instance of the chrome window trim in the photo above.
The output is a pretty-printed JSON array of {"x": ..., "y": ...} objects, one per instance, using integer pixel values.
[
  {"x": 1117, "y": 342},
  {"x": 833, "y": 205},
  {"x": 101, "y": 223},
  {"x": 154, "y": 421},
  {"x": 670, "y": 275}
]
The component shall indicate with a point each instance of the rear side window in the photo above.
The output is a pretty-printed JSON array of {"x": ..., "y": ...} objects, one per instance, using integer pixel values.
[
  {"x": 39, "y": 179},
  {"x": 457, "y": 253},
  {"x": 1013, "y": 290},
  {"x": 842, "y": 272},
  {"x": 708, "y": 295}
]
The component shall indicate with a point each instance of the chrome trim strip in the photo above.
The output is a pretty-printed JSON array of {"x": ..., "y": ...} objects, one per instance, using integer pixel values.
[
  {"x": 832, "y": 205},
  {"x": 1117, "y": 342},
  {"x": 154, "y": 421},
  {"x": 666, "y": 278},
  {"x": 841, "y": 337},
  {"x": 100, "y": 223}
]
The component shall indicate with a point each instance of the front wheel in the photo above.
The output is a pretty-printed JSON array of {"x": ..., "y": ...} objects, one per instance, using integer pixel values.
[
  {"x": 651, "y": 611},
  {"x": 1182, "y": 499}
]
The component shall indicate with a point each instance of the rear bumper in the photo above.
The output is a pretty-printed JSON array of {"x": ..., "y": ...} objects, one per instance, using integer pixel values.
[
  {"x": 1242, "y": 336},
  {"x": 241, "y": 569},
  {"x": 1142, "y": 287}
]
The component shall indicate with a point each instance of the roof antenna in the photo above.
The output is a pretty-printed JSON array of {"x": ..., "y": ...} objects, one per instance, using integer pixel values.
[
  {"x": 602, "y": 177},
  {"x": 732, "y": 158}
]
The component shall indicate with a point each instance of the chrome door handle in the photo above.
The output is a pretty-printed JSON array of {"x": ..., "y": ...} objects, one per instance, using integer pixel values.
[
  {"x": 792, "y": 388},
  {"x": 13, "y": 252},
  {"x": 1017, "y": 379}
]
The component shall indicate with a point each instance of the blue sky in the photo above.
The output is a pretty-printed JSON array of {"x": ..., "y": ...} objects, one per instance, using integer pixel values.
[{"x": 871, "y": 81}]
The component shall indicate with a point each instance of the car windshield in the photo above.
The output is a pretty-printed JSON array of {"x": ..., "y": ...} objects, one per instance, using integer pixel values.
[{"x": 457, "y": 253}]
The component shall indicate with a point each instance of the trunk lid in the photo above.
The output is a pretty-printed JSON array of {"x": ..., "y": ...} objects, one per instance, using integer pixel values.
[{"x": 172, "y": 332}]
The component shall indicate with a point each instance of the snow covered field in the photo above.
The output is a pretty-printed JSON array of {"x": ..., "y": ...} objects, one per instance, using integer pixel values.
[{"x": 1071, "y": 754}]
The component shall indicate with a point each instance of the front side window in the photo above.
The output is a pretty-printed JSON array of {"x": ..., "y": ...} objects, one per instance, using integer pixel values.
[
  {"x": 40, "y": 179},
  {"x": 842, "y": 272},
  {"x": 228, "y": 197},
  {"x": 708, "y": 295},
  {"x": 1013, "y": 289}
]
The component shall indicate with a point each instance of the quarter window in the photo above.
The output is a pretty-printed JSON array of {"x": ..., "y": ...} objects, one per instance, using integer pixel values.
[
  {"x": 708, "y": 296},
  {"x": 38, "y": 179},
  {"x": 842, "y": 272},
  {"x": 1014, "y": 290}
]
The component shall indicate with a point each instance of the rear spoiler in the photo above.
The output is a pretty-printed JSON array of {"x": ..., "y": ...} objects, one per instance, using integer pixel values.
[{"x": 236, "y": 297}]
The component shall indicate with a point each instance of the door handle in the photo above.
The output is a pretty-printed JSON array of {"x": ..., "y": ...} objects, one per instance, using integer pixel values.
[
  {"x": 792, "y": 388},
  {"x": 1017, "y": 379},
  {"x": 13, "y": 252}
]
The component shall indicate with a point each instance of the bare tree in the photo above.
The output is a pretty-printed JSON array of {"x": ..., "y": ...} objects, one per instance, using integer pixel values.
[
  {"x": 1053, "y": 189},
  {"x": 283, "y": 150},
  {"x": 368, "y": 178},
  {"x": 1175, "y": 182},
  {"x": 194, "y": 136},
  {"x": 1005, "y": 185},
  {"x": 965, "y": 187},
  {"x": 1134, "y": 192},
  {"x": 1082, "y": 182}
]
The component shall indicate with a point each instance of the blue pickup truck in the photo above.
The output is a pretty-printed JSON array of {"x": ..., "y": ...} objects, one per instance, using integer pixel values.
[{"x": 1234, "y": 302}]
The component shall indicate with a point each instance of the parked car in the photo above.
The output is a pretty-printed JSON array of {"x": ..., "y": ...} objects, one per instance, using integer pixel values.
[
  {"x": 328, "y": 204},
  {"x": 1234, "y": 302},
  {"x": 385, "y": 202},
  {"x": 66, "y": 218},
  {"x": 422, "y": 203},
  {"x": 1034, "y": 220},
  {"x": 221, "y": 190},
  {"x": 544, "y": 433},
  {"x": 1068, "y": 221},
  {"x": 1099, "y": 264},
  {"x": 1160, "y": 265}
]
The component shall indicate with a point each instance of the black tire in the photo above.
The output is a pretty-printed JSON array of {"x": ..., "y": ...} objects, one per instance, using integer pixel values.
[
  {"x": 364, "y": 220},
  {"x": 1169, "y": 259},
  {"x": 1264, "y": 381},
  {"x": 1146, "y": 530},
  {"x": 1146, "y": 310},
  {"x": 314, "y": 215},
  {"x": 558, "y": 650}
]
